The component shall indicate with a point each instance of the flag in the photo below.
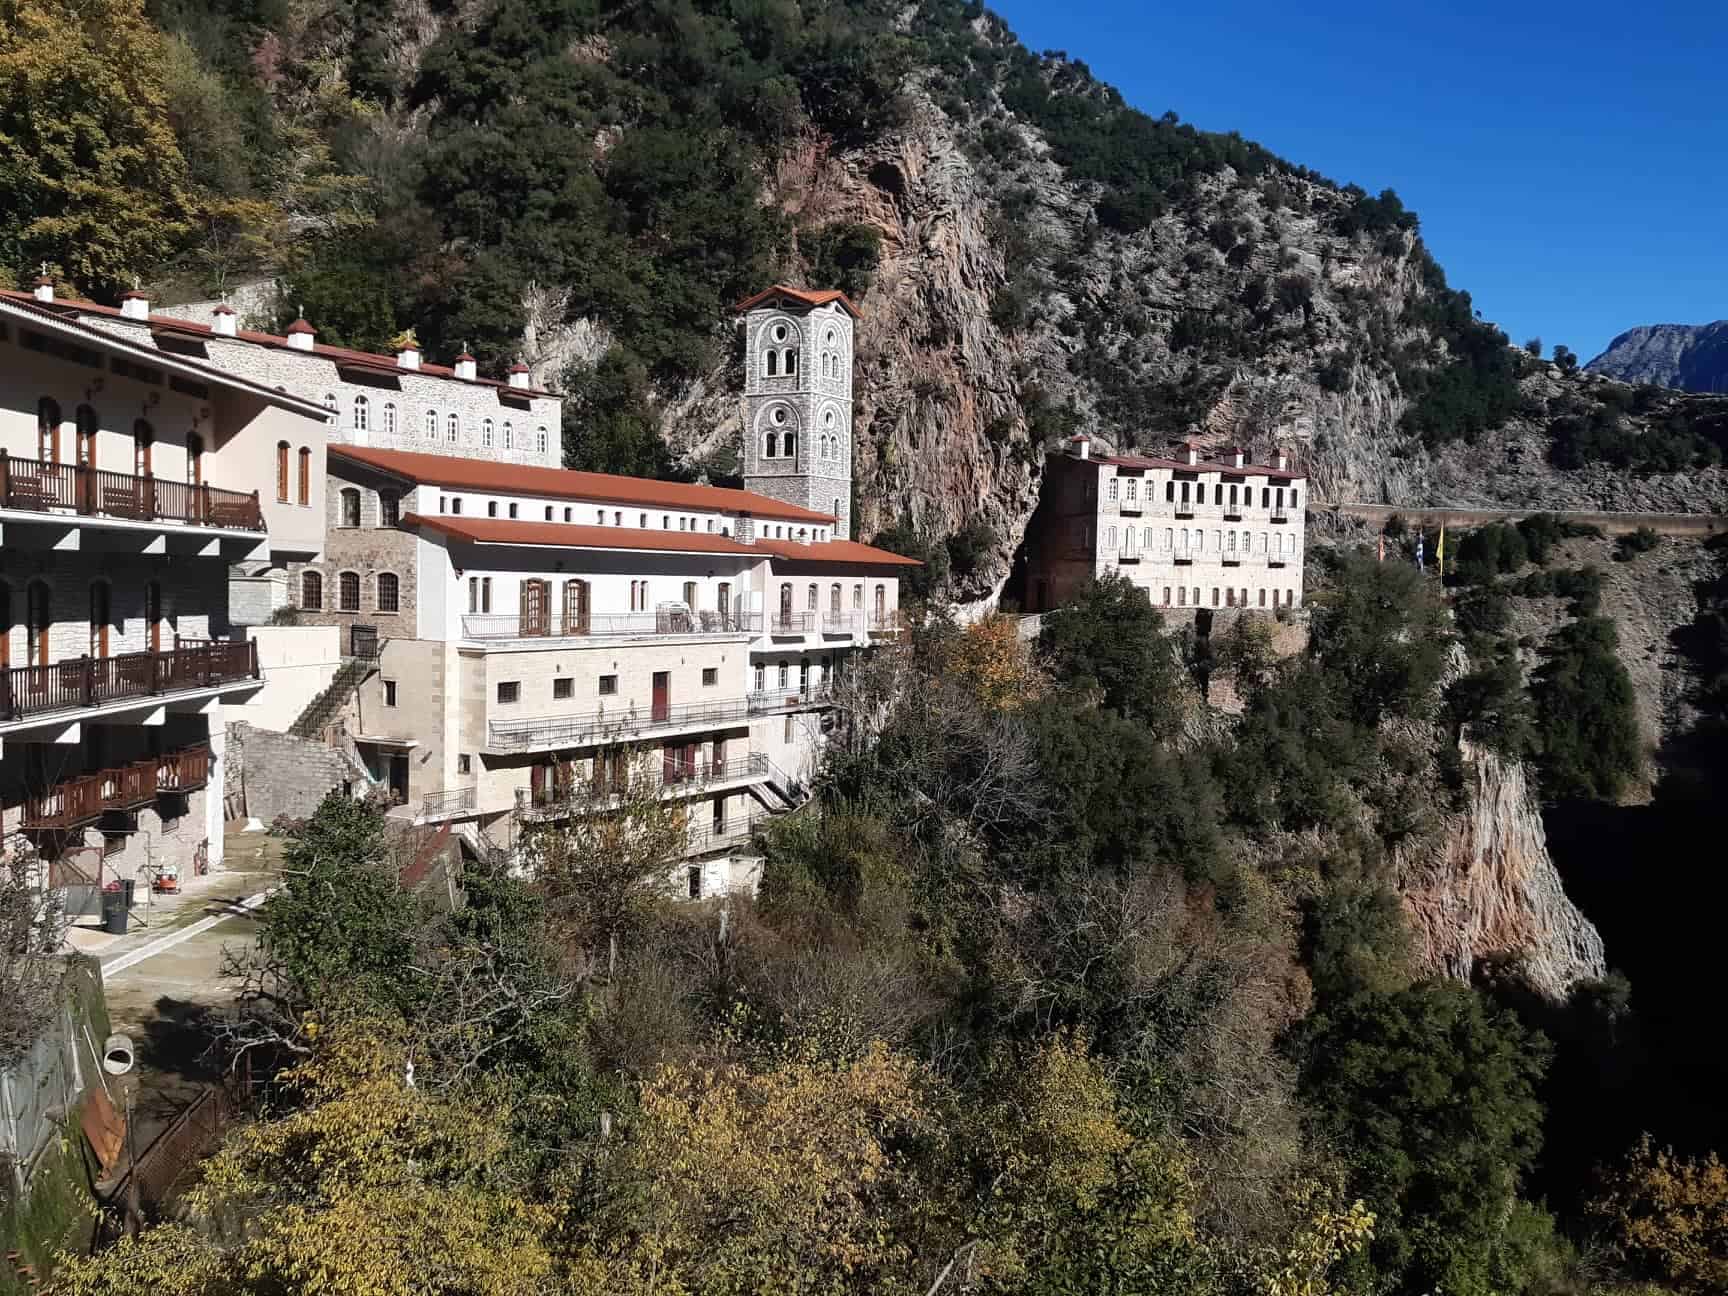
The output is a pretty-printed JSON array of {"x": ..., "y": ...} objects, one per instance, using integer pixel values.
[
  {"x": 1419, "y": 566},
  {"x": 1440, "y": 551},
  {"x": 1382, "y": 546}
]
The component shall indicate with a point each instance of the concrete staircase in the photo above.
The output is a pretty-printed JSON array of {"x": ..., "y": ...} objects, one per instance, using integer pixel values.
[
  {"x": 781, "y": 792},
  {"x": 324, "y": 708}
]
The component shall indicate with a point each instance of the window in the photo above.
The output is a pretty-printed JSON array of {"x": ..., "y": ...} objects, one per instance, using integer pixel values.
[
  {"x": 761, "y": 678},
  {"x": 788, "y": 728},
  {"x": 491, "y": 508},
  {"x": 791, "y": 445},
  {"x": 389, "y": 418},
  {"x": 771, "y": 364},
  {"x": 1182, "y": 597},
  {"x": 608, "y": 685},
  {"x": 330, "y": 405},
  {"x": 350, "y": 507},
  {"x": 362, "y": 414},
  {"x": 1110, "y": 538},
  {"x": 464, "y": 763},
  {"x": 642, "y": 522},
  {"x": 857, "y": 598},
  {"x": 1111, "y": 493},
  {"x": 48, "y": 430},
  {"x": 1218, "y": 494},
  {"x": 549, "y": 513},
  {"x": 485, "y": 593},
  {"x": 348, "y": 592},
  {"x": 693, "y": 881},
  {"x": 389, "y": 693},
  {"x": 1166, "y": 596},
  {"x": 638, "y": 596},
  {"x": 453, "y": 429},
  {"x": 771, "y": 445},
  {"x": 509, "y": 436},
  {"x": 512, "y": 508},
  {"x": 282, "y": 472},
  {"x": 1265, "y": 497},
  {"x": 456, "y": 504},
  {"x": 834, "y": 600},
  {"x": 389, "y": 508},
  {"x": 690, "y": 594},
  {"x": 305, "y": 474},
  {"x": 1214, "y": 596},
  {"x": 509, "y": 692},
  {"x": 389, "y": 592},
  {"x": 563, "y": 687},
  {"x": 473, "y": 594},
  {"x": 1295, "y": 498},
  {"x": 486, "y": 434},
  {"x": 1133, "y": 490},
  {"x": 431, "y": 425},
  {"x": 810, "y": 599},
  {"x": 710, "y": 676},
  {"x": 785, "y": 676},
  {"x": 1262, "y": 598},
  {"x": 540, "y": 439},
  {"x": 665, "y": 522},
  {"x": 311, "y": 591}
]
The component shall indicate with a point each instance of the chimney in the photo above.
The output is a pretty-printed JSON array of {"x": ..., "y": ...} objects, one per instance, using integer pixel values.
[
  {"x": 135, "y": 305},
  {"x": 43, "y": 289},
  {"x": 301, "y": 334},
  {"x": 1236, "y": 457},
  {"x": 1187, "y": 453},
  {"x": 223, "y": 322},
  {"x": 408, "y": 355},
  {"x": 1080, "y": 446},
  {"x": 466, "y": 369},
  {"x": 519, "y": 376},
  {"x": 1280, "y": 460}
]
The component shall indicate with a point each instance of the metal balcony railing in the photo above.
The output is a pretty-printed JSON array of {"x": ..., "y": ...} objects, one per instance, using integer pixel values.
[
  {"x": 792, "y": 623},
  {"x": 91, "y": 492},
  {"x": 94, "y": 681},
  {"x": 1280, "y": 513},
  {"x": 615, "y": 625},
  {"x": 706, "y": 835},
  {"x": 771, "y": 701},
  {"x": 453, "y": 801},
  {"x": 887, "y": 623},
  {"x": 677, "y": 779},
  {"x": 588, "y": 729}
]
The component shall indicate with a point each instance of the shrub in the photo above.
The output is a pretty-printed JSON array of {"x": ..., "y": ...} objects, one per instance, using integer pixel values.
[
  {"x": 1641, "y": 541},
  {"x": 1587, "y": 714},
  {"x": 1666, "y": 1217}
]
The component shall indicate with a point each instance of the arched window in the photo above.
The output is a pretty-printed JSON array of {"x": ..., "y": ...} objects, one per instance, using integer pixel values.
[
  {"x": 194, "y": 459},
  {"x": 350, "y": 507},
  {"x": 311, "y": 591},
  {"x": 143, "y": 445},
  {"x": 362, "y": 414},
  {"x": 834, "y": 600},
  {"x": 540, "y": 440},
  {"x": 48, "y": 430},
  {"x": 390, "y": 418},
  {"x": 305, "y": 474},
  {"x": 282, "y": 472},
  {"x": 431, "y": 425},
  {"x": 791, "y": 447},
  {"x": 348, "y": 592},
  {"x": 881, "y": 601},
  {"x": 771, "y": 364},
  {"x": 453, "y": 428},
  {"x": 785, "y": 604},
  {"x": 810, "y": 598},
  {"x": 486, "y": 434},
  {"x": 389, "y": 592},
  {"x": 791, "y": 363},
  {"x": 38, "y": 622},
  {"x": 85, "y": 418},
  {"x": 857, "y": 598},
  {"x": 770, "y": 446},
  {"x": 330, "y": 408},
  {"x": 101, "y": 604},
  {"x": 509, "y": 436},
  {"x": 389, "y": 508}
]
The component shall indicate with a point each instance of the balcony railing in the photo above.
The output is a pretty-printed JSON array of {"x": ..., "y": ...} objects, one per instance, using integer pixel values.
[
  {"x": 706, "y": 835},
  {"x": 792, "y": 623},
  {"x": 91, "y": 492},
  {"x": 1130, "y": 556},
  {"x": 86, "y": 797},
  {"x": 95, "y": 681},
  {"x": 455, "y": 801},
  {"x": 616, "y": 625},
  {"x": 770, "y": 701},
  {"x": 887, "y": 623},
  {"x": 564, "y": 800},
  {"x": 590, "y": 728},
  {"x": 1280, "y": 514}
]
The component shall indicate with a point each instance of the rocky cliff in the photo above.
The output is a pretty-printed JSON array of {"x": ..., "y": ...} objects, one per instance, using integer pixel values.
[
  {"x": 1489, "y": 892},
  {"x": 1691, "y": 357}
]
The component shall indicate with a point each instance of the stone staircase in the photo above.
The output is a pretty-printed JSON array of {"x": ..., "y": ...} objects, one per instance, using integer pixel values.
[{"x": 324, "y": 708}]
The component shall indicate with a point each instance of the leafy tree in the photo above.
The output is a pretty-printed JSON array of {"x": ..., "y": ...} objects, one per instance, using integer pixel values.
[
  {"x": 1586, "y": 714},
  {"x": 609, "y": 425},
  {"x": 1666, "y": 1217},
  {"x": 1379, "y": 633},
  {"x": 970, "y": 546},
  {"x": 1355, "y": 938},
  {"x": 989, "y": 658},
  {"x": 1641, "y": 541},
  {"x": 95, "y": 181},
  {"x": 1565, "y": 360},
  {"x": 1533, "y": 348},
  {"x": 1432, "y": 1098},
  {"x": 1110, "y": 638},
  {"x": 904, "y": 538}
]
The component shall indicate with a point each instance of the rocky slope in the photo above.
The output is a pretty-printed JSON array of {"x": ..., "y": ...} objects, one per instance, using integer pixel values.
[{"x": 1691, "y": 357}]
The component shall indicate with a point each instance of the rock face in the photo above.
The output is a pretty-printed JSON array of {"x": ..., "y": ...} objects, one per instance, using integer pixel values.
[
  {"x": 1691, "y": 357},
  {"x": 1490, "y": 891}
]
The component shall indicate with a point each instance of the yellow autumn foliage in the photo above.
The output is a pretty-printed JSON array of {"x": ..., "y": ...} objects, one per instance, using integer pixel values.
[
  {"x": 1667, "y": 1216},
  {"x": 995, "y": 664}
]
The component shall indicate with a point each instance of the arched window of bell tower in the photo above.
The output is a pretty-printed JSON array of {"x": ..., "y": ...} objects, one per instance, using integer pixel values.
[
  {"x": 771, "y": 364},
  {"x": 770, "y": 445},
  {"x": 791, "y": 445},
  {"x": 791, "y": 363}
]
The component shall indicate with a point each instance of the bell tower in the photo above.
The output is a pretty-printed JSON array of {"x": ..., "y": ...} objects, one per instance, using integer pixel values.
[{"x": 798, "y": 400}]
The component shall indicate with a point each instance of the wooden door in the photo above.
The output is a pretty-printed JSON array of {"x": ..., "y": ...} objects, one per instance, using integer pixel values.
[
  {"x": 669, "y": 764},
  {"x": 99, "y": 609},
  {"x": 688, "y": 761},
  {"x": 539, "y": 783},
  {"x": 662, "y": 695},
  {"x": 153, "y": 615},
  {"x": 195, "y": 460},
  {"x": 576, "y": 620},
  {"x": 535, "y": 612},
  {"x": 785, "y": 605}
]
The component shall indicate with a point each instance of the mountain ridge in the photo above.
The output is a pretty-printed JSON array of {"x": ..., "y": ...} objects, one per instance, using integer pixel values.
[{"x": 1687, "y": 357}]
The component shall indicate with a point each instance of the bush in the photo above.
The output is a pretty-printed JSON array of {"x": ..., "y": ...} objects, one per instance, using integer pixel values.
[
  {"x": 969, "y": 547},
  {"x": 1641, "y": 541},
  {"x": 1587, "y": 714},
  {"x": 1110, "y": 638}
]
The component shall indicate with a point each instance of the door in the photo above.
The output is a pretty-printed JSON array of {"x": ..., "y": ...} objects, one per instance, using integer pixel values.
[
  {"x": 399, "y": 777},
  {"x": 540, "y": 783},
  {"x": 662, "y": 695},
  {"x": 99, "y": 609},
  {"x": 195, "y": 460},
  {"x": 719, "y": 766},
  {"x": 669, "y": 765},
  {"x": 534, "y": 607},
  {"x": 5, "y": 625},
  {"x": 576, "y": 607},
  {"x": 723, "y": 601},
  {"x": 785, "y": 606},
  {"x": 688, "y": 761},
  {"x": 86, "y": 437},
  {"x": 153, "y": 615}
]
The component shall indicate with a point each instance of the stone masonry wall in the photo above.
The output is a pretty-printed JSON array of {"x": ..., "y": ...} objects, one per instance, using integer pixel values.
[{"x": 272, "y": 774}]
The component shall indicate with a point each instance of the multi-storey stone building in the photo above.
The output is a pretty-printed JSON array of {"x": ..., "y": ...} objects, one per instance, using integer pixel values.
[
  {"x": 129, "y": 483},
  {"x": 1190, "y": 531}
]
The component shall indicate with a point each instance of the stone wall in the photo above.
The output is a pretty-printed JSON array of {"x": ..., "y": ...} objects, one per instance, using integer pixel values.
[{"x": 272, "y": 774}]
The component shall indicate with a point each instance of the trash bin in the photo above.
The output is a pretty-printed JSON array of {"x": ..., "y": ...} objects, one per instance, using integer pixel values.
[{"x": 114, "y": 912}]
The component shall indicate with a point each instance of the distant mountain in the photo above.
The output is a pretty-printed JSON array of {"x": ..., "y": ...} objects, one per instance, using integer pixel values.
[{"x": 1690, "y": 357}]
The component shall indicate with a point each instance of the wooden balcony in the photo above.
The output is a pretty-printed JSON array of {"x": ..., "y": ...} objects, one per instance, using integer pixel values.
[
  {"x": 65, "y": 805},
  {"x": 77, "y": 491},
  {"x": 183, "y": 771},
  {"x": 87, "y": 797},
  {"x": 129, "y": 786},
  {"x": 27, "y": 691}
]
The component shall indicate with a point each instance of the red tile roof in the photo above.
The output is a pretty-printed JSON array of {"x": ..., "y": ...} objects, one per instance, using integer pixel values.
[
  {"x": 565, "y": 535},
  {"x": 1199, "y": 465},
  {"x": 836, "y": 551},
  {"x": 821, "y": 298},
  {"x": 565, "y": 483},
  {"x": 343, "y": 356}
]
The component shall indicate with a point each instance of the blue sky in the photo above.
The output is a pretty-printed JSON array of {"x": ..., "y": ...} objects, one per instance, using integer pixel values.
[{"x": 1569, "y": 163}]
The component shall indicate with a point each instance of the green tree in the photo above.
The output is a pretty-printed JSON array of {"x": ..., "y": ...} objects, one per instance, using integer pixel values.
[
  {"x": 1586, "y": 713},
  {"x": 1566, "y": 360},
  {"x": 1380, "y": 635},
  {"x": 1432, "y": 1098},
  {"x": 1110, "y": 638},
  {"x": 609, "y": 424}
]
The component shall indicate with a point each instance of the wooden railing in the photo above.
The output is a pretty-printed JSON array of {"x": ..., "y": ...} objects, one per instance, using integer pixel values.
[
  {"x": 84, "y": 798},
  {"x": 182, "y": 771},
  {"x": 94, "y": 681},
  {"x": 129, "y": 786},
  {"x": 77, "y": 800},
  {"x": 72, "y": 488}
]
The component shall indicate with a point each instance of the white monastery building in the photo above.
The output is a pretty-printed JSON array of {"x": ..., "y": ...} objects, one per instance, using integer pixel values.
[
  {"x": 1192, "y": 532},
  {"x": 129, "y": 483}
]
